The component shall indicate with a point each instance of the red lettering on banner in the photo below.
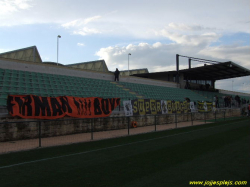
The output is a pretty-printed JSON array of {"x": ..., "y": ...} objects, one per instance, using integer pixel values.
[{"x": 37, "y": 107}]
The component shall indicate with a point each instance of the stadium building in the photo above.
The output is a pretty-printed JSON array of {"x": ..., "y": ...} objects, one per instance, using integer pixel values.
[
  {"x": 23, "y": 72},
  {"x": 41, "y": 92}
]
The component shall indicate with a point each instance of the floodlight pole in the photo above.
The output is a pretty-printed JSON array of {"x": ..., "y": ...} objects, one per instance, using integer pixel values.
[
  {"x": 177, "y": 68},
  {"x": 57, "y": 47},
  {"x": 128, "y": 64}
]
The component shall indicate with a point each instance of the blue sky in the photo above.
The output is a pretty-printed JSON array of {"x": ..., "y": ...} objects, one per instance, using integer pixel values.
[{"x": 152, "y": 31}]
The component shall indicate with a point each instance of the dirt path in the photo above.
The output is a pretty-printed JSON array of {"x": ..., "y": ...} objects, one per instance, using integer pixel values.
[{"x": 22, "y": 145}]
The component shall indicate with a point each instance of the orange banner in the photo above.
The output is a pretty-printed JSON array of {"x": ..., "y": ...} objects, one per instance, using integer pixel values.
[{"x": 37, "y": 107}]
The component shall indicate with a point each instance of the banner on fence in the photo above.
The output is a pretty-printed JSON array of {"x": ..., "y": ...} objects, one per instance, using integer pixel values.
[
  {"x": 128, "y": 108},
  {"x": 192, "y": 107},
  {"x": 37, "y": 107},
  {"x": 164, "y": 107},
  {"x": 146, "y": 106},
  {"x": 178, "y": 107},
  {"x": 205, "y": 106},
  {"x": 151, "y": 106}
]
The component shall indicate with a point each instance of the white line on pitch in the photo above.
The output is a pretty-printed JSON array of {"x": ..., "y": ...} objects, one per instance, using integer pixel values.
[{"x": 95, "y": 150}]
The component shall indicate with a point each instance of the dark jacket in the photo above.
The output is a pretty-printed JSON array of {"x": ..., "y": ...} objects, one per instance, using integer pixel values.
[{"x": 117, "y": 72}]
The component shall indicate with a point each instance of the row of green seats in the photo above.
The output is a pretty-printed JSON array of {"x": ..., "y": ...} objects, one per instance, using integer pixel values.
[{"x": 159, "y": 92}]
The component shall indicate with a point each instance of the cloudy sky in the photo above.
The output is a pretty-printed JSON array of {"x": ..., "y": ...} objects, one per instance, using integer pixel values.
[{"x": 153, "y": 31}]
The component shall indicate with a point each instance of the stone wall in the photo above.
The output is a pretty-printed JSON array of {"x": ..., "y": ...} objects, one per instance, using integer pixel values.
[{"x": 11, "y": 130}]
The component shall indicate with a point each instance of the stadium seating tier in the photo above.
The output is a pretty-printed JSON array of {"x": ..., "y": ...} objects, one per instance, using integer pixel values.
[{"x": 14, "y": 82}]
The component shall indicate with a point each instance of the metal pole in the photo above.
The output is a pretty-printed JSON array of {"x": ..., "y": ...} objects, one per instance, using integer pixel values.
[
  {"x": 57, "y": 50},
  {"x": 215, "y": 116},
  {"x": 58, "y": 47},
  {"x": 224, "y": 115},
  {"x": 128, "y": 124},
  {"x": 177, "y": 68},
  {"x": 205, "y": 117},
  {"x": 155, "y": 122},
  {"x": 175, "y": 120},
  {"x": 192, "y": 118},
  {"x": 189, "y": 63},
  {"x": 92, "y": 128},
  {"x": 39, "y": 132},
  {"x": 128, "y": 64}
]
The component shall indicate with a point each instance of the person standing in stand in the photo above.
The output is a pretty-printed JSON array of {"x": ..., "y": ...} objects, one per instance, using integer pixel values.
[
  {"x": 117, "y": 73},
  {"x": 217, "y": 102}
]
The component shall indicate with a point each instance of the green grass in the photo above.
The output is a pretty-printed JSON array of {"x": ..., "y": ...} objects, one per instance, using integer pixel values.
[
  {"x": 218, "y": 151},
  {"x": 224, "y": 119}
]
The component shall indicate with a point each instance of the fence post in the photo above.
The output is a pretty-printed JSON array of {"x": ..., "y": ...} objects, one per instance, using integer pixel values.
[
  {"x": 175, "y": 120},
  {"x": 215, "y": 116},
  {"x": 192, "y": 118},
  {"x": 155, "y": 122},
  {"x": 224, "y": 115},
  {"x": 128, "y": 124},
  {"x": 92, "y": 128},
  {"x": 40, "y": 133},
  {"x": 205, "y": 117}
]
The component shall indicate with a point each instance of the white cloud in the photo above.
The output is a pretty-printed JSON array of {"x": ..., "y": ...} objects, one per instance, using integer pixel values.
[
  {"x": 81, "y": 44},
  {"x": 162, "y": 57},
  {"x": 86, "y": 31},
  {"x": 9, "y": 6},
  {"x": 155, "y": 57},
  {"x": 193, "y": 27},
  {"x": 229, "y": 53},
  {"x": 70, "y": 24},
  {"x": 91, "y": 19},
  {"x": 199, "y": 39},
  {"x": 78, "y": 26},
  {"x": 79, "y": 22},
  {"x": 190, "y": 15}
]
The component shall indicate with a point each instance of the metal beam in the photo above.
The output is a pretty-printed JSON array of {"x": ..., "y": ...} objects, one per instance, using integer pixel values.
[{"x": 177, "y": 68}]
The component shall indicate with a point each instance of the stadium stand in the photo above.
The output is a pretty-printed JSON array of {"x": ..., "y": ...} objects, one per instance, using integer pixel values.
[
  {"x": 163, "y": 93},
  {"x": 42, "y": 84},
  {"x": 24, "y": 82}
]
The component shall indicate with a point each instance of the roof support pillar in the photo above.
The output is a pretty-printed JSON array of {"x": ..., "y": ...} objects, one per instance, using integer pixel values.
[
  {"x": 189, "y": 63},
  {"x": 177, "y": 68}
]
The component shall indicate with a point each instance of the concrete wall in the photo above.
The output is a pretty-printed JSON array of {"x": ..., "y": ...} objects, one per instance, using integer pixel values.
[{"x": 28, "y": 130}]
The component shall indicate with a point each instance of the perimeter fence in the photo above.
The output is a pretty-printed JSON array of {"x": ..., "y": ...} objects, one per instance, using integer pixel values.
[{"x": 17, "y": 135}]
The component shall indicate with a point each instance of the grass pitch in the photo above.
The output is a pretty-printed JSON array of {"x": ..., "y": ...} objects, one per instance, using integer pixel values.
[{"x": 218, "y": 151}]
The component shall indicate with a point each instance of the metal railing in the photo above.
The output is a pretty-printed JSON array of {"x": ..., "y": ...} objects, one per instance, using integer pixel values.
[{"x": 30, "y": 134}]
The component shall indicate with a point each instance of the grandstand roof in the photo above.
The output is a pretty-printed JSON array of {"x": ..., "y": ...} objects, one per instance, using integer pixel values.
[
  {"x": 97, "y": 65},
  {"x": 134, "y": 71},
  {"x": 219, "y": 71},
  {"x": 28, "y": 54}
]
